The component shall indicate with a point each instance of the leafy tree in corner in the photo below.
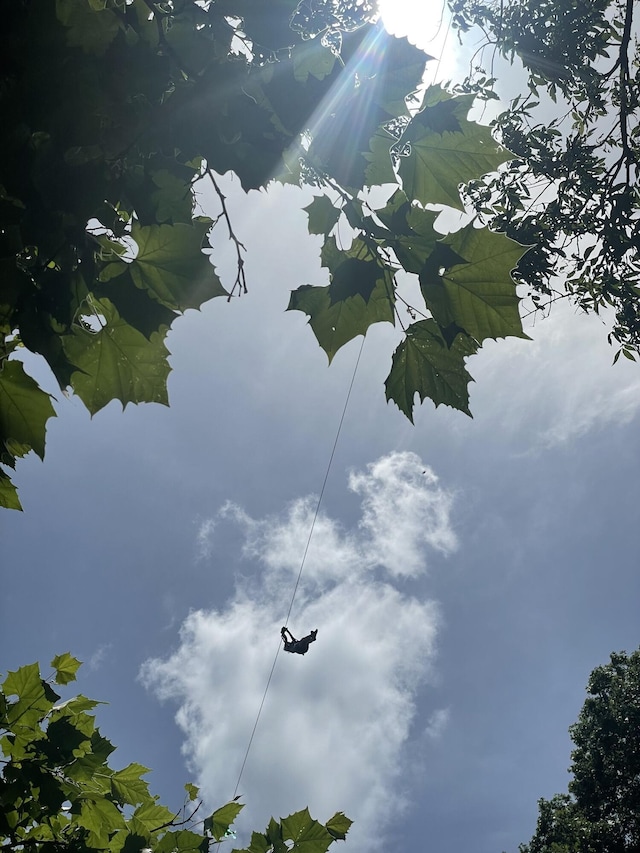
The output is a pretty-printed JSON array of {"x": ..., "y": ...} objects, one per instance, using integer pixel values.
[
  {"x": 601, "y": 812},
  {"x": 115, "y": 113},
  {"x": 58, "y": 792},
  {"x": 571, "y": 190}
]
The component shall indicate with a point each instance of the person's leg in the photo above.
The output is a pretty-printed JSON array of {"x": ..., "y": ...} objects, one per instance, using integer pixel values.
[{"x": 310, "y": 638}]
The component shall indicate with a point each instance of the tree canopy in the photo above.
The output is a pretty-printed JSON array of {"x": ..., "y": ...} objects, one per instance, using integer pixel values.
[
  {"x": 115, "y": 113},
  {"x": 600, "y": 813},
  {"x": 59, "y": 793},
  {"x": 571, "y": 191}
]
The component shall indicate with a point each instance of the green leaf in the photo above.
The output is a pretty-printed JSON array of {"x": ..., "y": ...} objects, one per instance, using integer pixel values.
[
  {"x": 354, "y": 277},
  {"x": 335, "y": 324},
  {"x": 339, "y": 825},
  {"x": 65, "y": 741},
  {"x": 24, "y": 408},
  {"x": 137, "y": 307},
  {"x": 380, "y": 169},
  {"x": 128, "y": 787},
  {"x": 361, "y": 293},
  {"x": 446, "y": 150},
  {"x": 220, "y": 821},
  {"x": 478, "y": 295},
  {"x": 322, "y": 215},
  {"x": 123, "y": 841},
  {"x": 308, "y": 59},
  {"x": 348, "y": 141},
  {"x": 150, "y": 817},
  {"x": 66, "y": 667},
  {"x": 423, "y": 364},
  {"x": 76, "y": 705},
  {"x": 117, "y": 362},
  {"x": 432, "y": 284},
  {"x": 33, "y": 702},
  {"x": 394, "y": 214},
  {"x": 411, "y": 233},
  {"x": 396, "y": 68},
  {"x": 92, "y": 30},
  {"x": 259, "y": 844},
  {"x": 25, "y": 683},
  {"x": 413, "y": 250},
  {"x": 182, "y": 841},
  {"x": 275, "y": 837},
  {"x": 171, "y": 266},
  {"x": 307, "y": 834},
  {"x": 102, "y": 818},
  {"x": 8, "y": 493},
  {"x": 86, "y": 767},
  {"x": 173, "y": 198},
  {"x": 193, "y": 792}
]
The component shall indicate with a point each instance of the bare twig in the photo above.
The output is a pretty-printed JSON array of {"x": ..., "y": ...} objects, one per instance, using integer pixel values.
[{"x": 241, "y": 282}]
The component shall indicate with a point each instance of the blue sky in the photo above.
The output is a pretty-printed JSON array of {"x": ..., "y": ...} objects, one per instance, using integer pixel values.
[{"x": 465, "y": 576}]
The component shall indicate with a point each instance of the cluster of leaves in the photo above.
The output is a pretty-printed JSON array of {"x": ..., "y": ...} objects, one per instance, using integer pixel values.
[
  {"x": 572, "y": 189},
  {"x": 600, "y": 814},
  {"x": 299, "y": 832},
  {"x": 115, "y": 112},
  {"x": 465, "y": 282},
  {"x": 58, "y": 792}
]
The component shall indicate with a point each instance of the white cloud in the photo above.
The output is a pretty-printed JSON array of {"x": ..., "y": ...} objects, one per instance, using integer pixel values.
[
  {"x": 335, "y": 723},
  {"x": 204, "y": 538},
  {"x": 403, "y": 510},
  {"x": 98, "y": 657},
  {"x": 558, "y": 386},
  {"x": 437, "y": 723}
]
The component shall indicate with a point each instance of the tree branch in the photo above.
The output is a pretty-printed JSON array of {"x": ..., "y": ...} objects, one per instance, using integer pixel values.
[{"x": 241, "y": 282}]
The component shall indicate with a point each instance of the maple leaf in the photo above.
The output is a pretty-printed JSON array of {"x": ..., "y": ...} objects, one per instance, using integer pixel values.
[
  {"x": 116, "y": 361},
  {"x": 446, "y": 150},
  {"x": 423, "y": 364},
  {"x": 171, "y": 266},
  {"x": 478, "y": 293}
]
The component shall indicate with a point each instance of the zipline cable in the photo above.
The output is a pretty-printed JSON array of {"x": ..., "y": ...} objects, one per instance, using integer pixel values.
[
  {"x": 315, "y": 516},
  {"x": 304, "y": 557}
]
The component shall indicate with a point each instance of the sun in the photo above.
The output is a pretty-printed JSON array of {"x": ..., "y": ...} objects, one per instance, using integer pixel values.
[
  {"x": 427, "y": 26},
  {"x": 415, "y": 19}
]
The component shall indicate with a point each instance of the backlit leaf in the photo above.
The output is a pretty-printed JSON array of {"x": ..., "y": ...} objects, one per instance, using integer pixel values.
[
  {"x": 379, "y": 168},
  {"x": 480, "y": 295},
  {"x": 151, "y": 816},
  {"x": 24, "y": 408},
  {"x": 117, "y": 361},
  {"x": 308, "y": 59},
  {"x": 66, "y": 667},
  {"x": 32, "y": 702},
  {"x": 423, "y": 364},
  {"x": 193, "y": 792},
  {"x": 335, "y": 324},
  {"x": 322, "y": 215},
  {"x": 220, "y": 821},
  {"x": 8, "y": 493},
  {"x": 182, "y": 841},
  {"x": 259, "y": 844},
  {"x": 307, "y": 834},
  {"x": 101, "y": 817},
  {"x": 446, "y": 150},
  {"x": 128, "y": 787},
  {"x": 92, "y": 30},
  {"x": 339, "y": 825},
  {"x": 171, "y": 266},
  {"x": 172, "y": 198}
]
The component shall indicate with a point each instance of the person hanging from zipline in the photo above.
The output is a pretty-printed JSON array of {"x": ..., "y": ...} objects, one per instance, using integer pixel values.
[{"x": 297, "y": 647}]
